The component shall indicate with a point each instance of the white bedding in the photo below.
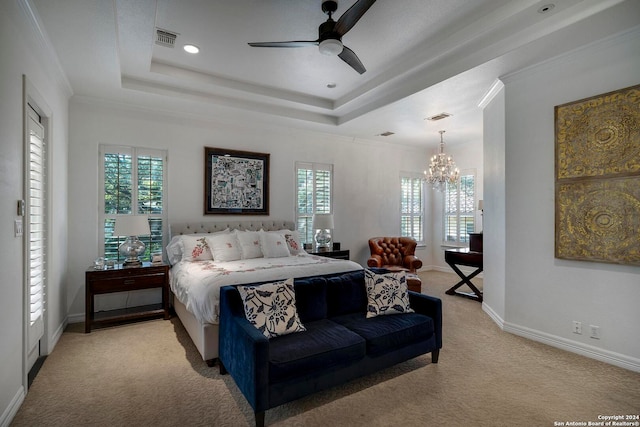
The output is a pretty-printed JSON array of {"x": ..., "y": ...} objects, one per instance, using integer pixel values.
[{"x": 197, "y": 284}]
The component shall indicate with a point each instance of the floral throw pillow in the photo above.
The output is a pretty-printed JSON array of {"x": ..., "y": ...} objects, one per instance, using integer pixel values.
[
  {"x": 195, "y": 248},
  {"x": 293, "y": 242},
  {"x": 271, "y": 307},
  {"x": 386, "y": 293}
]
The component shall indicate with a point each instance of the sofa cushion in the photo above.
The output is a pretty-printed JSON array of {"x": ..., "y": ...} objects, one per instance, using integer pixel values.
[
  {"x": 324, "y": 345},
  {"x": 271, "y": 307},
  {"x": 388, "y": 333},
  {"x": 311, "y": 298},
  {"x": 387, "y": 293},
  {"x": 346, "y": 293}
]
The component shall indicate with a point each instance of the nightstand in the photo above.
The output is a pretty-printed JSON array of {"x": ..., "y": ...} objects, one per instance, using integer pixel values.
[
  {"x": 124, "y": 279},
  {"x": 342, "y": 254}
]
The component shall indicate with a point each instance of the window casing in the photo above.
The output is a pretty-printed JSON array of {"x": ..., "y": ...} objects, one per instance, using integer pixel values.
[
  {"x": 412, "y": 207},
  {"x": 459, "y": 209},
  {"x": 133, "y": 182},
  {"x": 314, "y": 194}
]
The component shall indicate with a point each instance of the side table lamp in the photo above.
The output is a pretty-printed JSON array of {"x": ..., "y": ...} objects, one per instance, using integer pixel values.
[
  {"x": 323, "y": 224},
  {"x": 132, "y": 226}
]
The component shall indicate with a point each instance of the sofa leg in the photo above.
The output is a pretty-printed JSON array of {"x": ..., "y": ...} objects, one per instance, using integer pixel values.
[
  {"x": 434, "y": 355},
  {"x": 260, "y": 419},
  {"x": 223, "y": 370}
]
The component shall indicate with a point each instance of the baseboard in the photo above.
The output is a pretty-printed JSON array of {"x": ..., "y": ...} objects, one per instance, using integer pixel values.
[
  {"x": 11, "y": 410},
  {"x": 493, "y": 315},
  {"x": 75, "y": 318},
  {"x": 596, "y": 353},
  {"x": 56, "y": 335}
]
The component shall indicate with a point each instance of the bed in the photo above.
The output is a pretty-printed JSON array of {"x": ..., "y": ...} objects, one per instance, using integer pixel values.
[{"x": 239, "y": 252}]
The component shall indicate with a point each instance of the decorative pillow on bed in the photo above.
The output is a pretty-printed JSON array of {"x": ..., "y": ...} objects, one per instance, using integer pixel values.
[
  {"x": 249, "y": 244},
  {"x": 225, "y": 247},
  {"x": 386, "y": 293},
  {"x": 273, "y": 245},
  {"x": 176, "y": 248},
  {"x": 271, "y": 307},
  {"x": 293, "y": 242},
  {"x": 195, "y": 248}
]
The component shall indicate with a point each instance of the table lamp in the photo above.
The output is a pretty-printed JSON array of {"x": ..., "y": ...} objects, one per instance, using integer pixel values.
[
  {"x": 323, "y": 224},
  {"x": 131, "y": 226}
]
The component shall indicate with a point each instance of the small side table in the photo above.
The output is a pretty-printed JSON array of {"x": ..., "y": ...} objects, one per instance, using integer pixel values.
[
  {"x": 341, "y": 254},
  {"x": 124, "y": 279},
  {"x": 464, "y": 256}
]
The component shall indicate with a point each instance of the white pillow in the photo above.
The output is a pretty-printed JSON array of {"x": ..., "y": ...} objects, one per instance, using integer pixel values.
[
  {"x": 249, "y": 244},
  {"x": 293, "y": 240},
  {"x": 386, "y": 293},
  {"x": 273, "y": 245},
  {"x": 175, "y": 246},
  {"x": 271, "y": 307},
  {"x": 195, "y": 248},
  {"x": 225, "y": 247}
]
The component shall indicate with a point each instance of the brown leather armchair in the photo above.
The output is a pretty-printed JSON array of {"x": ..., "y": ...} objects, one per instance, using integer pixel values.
[{"x": 394, "y": 253}]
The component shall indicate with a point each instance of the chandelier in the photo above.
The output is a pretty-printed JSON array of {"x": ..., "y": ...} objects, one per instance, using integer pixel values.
[{"x": 442, "y": 169}]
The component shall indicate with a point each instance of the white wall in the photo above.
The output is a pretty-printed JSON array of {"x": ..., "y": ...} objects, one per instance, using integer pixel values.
[
  {"x": 494, "y": 221},
  {"x": 543, "y": 295},
  {"x": 24, "y": 53},
  {"x": 366, "y": 186}
]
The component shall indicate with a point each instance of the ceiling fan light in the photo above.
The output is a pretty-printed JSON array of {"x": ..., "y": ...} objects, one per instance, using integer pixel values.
[{"x": 331, "y": 47}]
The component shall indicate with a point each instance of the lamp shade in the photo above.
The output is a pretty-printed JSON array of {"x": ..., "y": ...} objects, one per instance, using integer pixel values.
[
  {"x": 323, "y": 221},
  {"x": 480, "y": 205},
  {"x": 132, "y": 225}
]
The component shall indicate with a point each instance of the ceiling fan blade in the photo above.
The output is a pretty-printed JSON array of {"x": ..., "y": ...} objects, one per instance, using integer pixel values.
[
  {"x": 352, "y": 15},
  {"x": 350, "y": 57},
  {"x": 300, "y": 43}
]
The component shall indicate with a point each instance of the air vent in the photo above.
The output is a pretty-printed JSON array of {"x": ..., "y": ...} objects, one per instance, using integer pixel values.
[
  {"x": 165, "y": 38},
  {"x": 439, "y": 116},
  {"x": 387, "y": 133}
]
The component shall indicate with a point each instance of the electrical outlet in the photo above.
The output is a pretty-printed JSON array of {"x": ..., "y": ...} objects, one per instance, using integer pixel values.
[
  {"x": 595, "y": 332},
  {"x": 577, "y": 327},
  {"x": 18, "y": 228}
]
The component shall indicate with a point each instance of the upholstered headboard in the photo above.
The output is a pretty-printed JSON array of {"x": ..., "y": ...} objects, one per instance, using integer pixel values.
[{"x": 178, "y": 228}]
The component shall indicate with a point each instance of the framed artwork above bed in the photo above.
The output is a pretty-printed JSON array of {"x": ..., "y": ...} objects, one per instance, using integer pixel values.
[{"x": 236, "y": 182}]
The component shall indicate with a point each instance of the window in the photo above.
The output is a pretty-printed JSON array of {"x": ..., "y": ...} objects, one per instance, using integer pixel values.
[
  {"x": 133, "y": 183},
  {"x": 412, "y": 207},
  {"x": 314, "y": 194},
  {"x": 459, "y": 210}
]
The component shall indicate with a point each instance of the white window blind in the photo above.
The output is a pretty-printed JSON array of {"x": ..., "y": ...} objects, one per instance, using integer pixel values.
[
  {"x": 459, "y": 213},
  {"x": 412, "y": 207},
  {"x": 314, "y": 194},
  {"x": 36, "y": 226},
  {"x": 133, "y": 183}
]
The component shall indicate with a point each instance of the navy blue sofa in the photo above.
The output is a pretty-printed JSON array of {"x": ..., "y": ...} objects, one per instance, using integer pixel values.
[{"x": 340, "y": 343}]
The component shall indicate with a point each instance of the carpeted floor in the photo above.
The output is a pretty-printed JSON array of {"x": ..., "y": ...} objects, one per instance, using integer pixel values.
[{"x": 150, "y": 373}]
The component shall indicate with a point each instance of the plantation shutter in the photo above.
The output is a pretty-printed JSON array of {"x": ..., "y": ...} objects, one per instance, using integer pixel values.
[
  {"x": 36, "y": 228},
  {"x": 314, "y": 190}
]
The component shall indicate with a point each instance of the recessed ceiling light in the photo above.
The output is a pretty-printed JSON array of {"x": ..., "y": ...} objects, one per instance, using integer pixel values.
[
  {"x": 331, "y": 85},
  {"x": 546, "y": 8},
  {"x": 190, "y": 48}
]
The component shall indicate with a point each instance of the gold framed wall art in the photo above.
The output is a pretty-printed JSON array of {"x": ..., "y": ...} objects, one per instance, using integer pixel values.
[{"x": 597, "y": 178}]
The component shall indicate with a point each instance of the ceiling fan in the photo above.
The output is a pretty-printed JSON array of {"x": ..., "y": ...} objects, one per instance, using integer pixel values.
[{"x": 330, "y": 33}]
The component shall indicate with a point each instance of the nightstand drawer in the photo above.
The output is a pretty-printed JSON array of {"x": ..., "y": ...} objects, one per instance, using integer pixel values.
[{"x": 133, "y": 282}]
